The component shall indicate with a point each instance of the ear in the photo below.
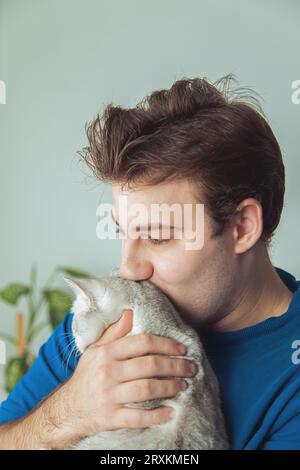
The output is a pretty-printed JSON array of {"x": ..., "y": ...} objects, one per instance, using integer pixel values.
[
  {"x": 248, "y": 225},
  {"x": 76, "y": 286},
  {"x": 88, "y": 290}
]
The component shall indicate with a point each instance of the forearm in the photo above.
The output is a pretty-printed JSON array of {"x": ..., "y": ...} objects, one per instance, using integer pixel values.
[
  {"x": 24, "y": 433},
  {"x": 45, "y": 427}
]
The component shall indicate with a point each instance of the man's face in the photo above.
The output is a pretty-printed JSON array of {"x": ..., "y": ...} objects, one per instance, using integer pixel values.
[{"x": 199, "y": 282}]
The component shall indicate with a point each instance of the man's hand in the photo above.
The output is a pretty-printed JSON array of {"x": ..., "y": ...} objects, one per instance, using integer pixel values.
[
  {"x": 117, "y": 370},
  {"x": 111, "y": 372}
]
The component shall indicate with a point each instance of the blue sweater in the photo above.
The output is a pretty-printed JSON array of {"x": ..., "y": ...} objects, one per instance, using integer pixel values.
[{"x": 258, "y": 369}]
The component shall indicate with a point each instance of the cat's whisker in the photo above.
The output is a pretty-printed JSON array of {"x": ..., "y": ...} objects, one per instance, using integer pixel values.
[
  {"x": 77, "y": 354},
  {"x": 67, "y": 335},
  {"x": 74, "y": 347},
  {"x": 62, "y": 352}
]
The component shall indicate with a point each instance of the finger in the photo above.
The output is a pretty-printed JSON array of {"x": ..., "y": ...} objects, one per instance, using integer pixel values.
[
  {"x": 141, "y": 390},
  {"x": 145, "y": 343},
  {"x": 152, "y": 366},
  {"x": 117, "y": 329},
  {"x": 140, "y": 418}
]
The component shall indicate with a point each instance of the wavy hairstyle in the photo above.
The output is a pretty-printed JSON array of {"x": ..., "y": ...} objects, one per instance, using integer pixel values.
[{"x": 210, "y": 133}]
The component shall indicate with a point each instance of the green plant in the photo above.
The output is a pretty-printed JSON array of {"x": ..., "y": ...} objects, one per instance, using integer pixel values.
[{"x": 57, "y": 303}]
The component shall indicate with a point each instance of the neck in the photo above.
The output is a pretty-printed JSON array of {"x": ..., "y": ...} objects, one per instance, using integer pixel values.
[{"x": 263, "y": 295}]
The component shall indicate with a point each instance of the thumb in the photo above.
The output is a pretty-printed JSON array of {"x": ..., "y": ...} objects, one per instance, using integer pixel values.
[{"x": 118, "y": 329}]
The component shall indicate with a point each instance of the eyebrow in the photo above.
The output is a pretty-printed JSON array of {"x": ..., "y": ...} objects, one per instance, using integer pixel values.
[{"x": 149, "y": 226}]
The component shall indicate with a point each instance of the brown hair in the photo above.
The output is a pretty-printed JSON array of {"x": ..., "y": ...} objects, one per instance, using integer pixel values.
[{"x": 214, "y": 136}]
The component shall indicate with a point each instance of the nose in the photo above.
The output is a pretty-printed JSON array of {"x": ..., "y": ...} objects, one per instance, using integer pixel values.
[{"x": 134, "y": 265}]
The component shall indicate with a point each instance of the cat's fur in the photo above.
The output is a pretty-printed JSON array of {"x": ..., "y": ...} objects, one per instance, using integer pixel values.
[{"x": 198, "y": 422}]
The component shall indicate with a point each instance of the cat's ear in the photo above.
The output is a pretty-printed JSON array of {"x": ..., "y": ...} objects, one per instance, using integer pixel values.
[
  {"x": 88, "y": 289},
  {"x": 77, "y": 287}
]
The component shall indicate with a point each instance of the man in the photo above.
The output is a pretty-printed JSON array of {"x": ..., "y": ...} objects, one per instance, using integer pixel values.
[{"x": 194, "y": 143}]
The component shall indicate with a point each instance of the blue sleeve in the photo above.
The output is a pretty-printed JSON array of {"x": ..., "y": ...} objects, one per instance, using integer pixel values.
[{"x": 56, "y": 361}]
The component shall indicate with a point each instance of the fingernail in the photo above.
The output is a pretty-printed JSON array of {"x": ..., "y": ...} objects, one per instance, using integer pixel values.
[{"x": 192, "y": 368}]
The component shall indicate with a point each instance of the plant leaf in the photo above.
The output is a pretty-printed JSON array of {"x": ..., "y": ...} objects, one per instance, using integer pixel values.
[
  {"x": 13, "y": 292},
  {"x": 15, "y": 369},
  {"x": 59, "y": 303},
  {"x": 74, "y": 272}
]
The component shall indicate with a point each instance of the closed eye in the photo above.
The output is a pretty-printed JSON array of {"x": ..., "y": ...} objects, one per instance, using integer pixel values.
[
  {"x": 158, "y": 241},
  {"x": 153, "y": 241}
]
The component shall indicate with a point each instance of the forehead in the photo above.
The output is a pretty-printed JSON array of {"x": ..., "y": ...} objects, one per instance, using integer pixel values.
[
  {"x": 183, "y": 197},
  {"x": 179, "y": 191}
]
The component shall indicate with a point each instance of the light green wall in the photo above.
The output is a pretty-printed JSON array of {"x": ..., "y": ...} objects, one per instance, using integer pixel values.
[{"x": 62, "y": 60}]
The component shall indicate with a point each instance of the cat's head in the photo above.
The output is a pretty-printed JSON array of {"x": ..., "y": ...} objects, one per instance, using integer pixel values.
[{"x": 98, "y": 303}]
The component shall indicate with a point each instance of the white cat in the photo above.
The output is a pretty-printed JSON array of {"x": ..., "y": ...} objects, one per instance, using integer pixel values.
[{"x": 198, "y": 422}]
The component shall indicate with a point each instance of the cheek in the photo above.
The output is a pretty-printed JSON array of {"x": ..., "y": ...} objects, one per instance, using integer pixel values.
[
  {"x": 181, "y": 267},
  {"x": 177, "y": 266}
]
